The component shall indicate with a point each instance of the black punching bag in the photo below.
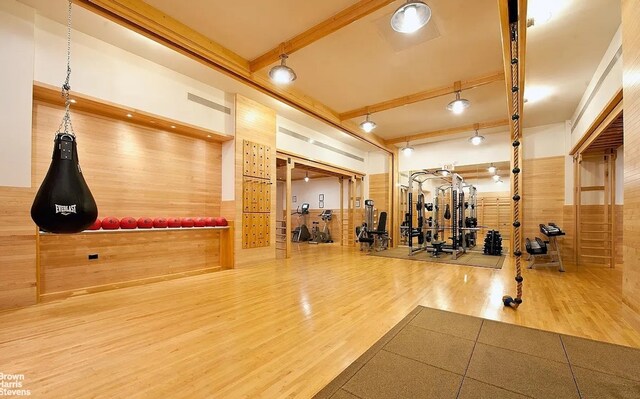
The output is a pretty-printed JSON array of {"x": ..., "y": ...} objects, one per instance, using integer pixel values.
[{"x": 64, "y": 203}]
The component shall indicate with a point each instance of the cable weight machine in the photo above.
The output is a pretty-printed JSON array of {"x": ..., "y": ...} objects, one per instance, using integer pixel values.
[{"x": 431, "y": 232}]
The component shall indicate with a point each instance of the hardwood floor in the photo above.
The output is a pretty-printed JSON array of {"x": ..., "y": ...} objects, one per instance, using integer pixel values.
[{"x": 278, "y": 329}]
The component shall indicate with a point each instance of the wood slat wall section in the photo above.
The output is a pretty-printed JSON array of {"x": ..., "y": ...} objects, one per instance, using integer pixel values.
[
  {"x": 125, "y": 258},
  {"x": 494, "y": 211},
  {"x": 133, "y": 171},
  {"x": 631, "y": 87},
  {"x": 256, "y": 123},
  {"x": 543, "y": 194},
  {"x": 17, "y": 248},
  {"x": 379, "y": 192}
]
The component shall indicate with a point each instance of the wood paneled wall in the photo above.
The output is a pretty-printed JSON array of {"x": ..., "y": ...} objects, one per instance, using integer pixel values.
[
  {"x": 543, "y": 194},
  {"x": 125, "y": 257},
  {"x": 379, "y": 192},
  {"x": 134, "y": 170},
  {"x": 17, "y": 248},
  {"x": 494, "y": 212},
  {"x": 631, "y": 87},
  {"x": 256, "y": 123}
]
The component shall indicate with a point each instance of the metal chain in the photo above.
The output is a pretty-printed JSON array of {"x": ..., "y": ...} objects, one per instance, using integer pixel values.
[{"x": 66, "y": 125}]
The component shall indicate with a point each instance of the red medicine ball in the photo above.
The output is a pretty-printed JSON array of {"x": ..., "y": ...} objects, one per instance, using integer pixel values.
[
  {"x": 187, "y": 222},
  {"x": 220, "y": 221},
  {"x": 199, "y": 222},
  {"x": 174, "y": 222},
  {"x": 96, "y": 225},
  {"x": 110, "y": 223},
  {"x": 145, "y": 223},
  {"x": 128, "y": 223},
  {"x": 209, "y": 222},
  {"x": 160, "y": 223}
]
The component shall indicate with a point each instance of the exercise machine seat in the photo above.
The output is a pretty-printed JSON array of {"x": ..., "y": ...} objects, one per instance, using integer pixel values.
[
  {"x": 536, "y": 247},
  {"x": 382, "y": 224}
]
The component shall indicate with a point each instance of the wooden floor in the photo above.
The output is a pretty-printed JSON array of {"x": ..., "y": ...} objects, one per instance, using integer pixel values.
[{"x": 279, "y": 329}]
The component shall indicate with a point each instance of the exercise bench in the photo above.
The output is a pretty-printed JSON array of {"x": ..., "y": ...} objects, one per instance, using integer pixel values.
[{"x": 549, "y": 249}]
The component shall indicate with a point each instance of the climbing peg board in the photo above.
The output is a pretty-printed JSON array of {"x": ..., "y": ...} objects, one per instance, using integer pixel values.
[{"x": 256, "y": 194}]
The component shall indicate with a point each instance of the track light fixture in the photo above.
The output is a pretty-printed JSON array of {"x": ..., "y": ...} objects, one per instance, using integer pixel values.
[
  {"x": 458, "y": 105},
  {"x": 282, "y": 74},
  {"x": 496, "y": 178},
  {"x": 476, "y": 139},
  {"x": 407, "y": 150},
  {"x": 368, "y": 125},
  {"x": 492, "y": 169},
  {"x": 411, "y": 16},
  {"x": 306, "y": 177}
]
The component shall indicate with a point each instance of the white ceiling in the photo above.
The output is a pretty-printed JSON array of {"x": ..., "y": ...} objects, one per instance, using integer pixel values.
[
  {"x": 563, "y": 54},
  {"x": 366, "y": 62}
]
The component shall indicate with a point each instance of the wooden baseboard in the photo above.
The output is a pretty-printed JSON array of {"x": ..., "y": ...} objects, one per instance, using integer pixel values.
[{"x": 107, "y": 287}]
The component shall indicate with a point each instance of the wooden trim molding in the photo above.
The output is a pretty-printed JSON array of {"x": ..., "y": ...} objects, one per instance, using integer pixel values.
[
  {"x": 449, "y": 131},
  {"x": 345, "y": 17},
  {"x": 608, "y": 114},
  {"x": 423, "y": 95},
  {"x": 301, "y": 160}
]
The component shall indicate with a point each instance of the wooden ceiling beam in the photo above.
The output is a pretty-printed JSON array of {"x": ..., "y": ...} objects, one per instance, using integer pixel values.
[
  {"x": 156, "y": 25},
  {"x": 345, "y": 17},
  {"x": 423, "y": 95},
  {"x": 449, "y": 131}
]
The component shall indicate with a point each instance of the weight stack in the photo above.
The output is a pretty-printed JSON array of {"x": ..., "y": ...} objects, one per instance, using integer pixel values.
[{"x": 493, "y": 243}]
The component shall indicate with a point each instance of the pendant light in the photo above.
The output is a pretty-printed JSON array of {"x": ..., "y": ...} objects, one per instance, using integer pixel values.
[
  {"x": 410, "y": 17},
  {"x": 306, "y": 177},
  {"x": 492, "y": 169},
  {"x": 368, "y": 125},
  {"x": 458, "y": 105},
  {"x": 407, "y": 150},
  {"x": 282, "y": 74},
  {"x": 476, "y": 139}
]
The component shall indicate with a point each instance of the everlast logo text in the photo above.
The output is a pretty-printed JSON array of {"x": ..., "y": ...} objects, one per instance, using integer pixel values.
[{"x": 65, "y": 209}]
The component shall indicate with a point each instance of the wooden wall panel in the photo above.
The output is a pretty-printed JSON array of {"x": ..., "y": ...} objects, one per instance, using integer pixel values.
[
  {"x": 494, "y": 212},
  {"x": 543, "y": 194},
  {"x": 17, "y": 248},
  {"x": 256, "y": 123},
  {"x": 631, "y": 87},
  {"x": 134, "y": 170},
  {"x": 379, "y": 192},
  {"x": 123, "y": 257}
]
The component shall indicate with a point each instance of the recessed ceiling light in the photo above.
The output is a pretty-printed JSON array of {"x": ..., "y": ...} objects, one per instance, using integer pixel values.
[
  {"x": 173, "y": 126},
  {"x": 129, "y": 116},
  {"x": 208, "y": 135},
  {"x": 492, "y": 169},
  {"x": 72, "y": 101},
  {"x": 410, "y": 17}
]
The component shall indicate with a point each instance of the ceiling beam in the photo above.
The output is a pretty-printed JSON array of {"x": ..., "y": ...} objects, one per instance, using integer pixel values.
[
  {"x": 154, "y": 24},
  {"x": 449, "y": 131},
  {"x": 423, "y": 95},
  {"x": 351, "y": 14}
]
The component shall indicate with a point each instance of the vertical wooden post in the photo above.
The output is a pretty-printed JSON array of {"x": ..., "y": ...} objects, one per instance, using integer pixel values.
[
  {"x": 341, "y": 224},
  {"x": 351, "y": 214},
  {"x": 577, "y": 202},
  {"x": 287, "y": 218}
]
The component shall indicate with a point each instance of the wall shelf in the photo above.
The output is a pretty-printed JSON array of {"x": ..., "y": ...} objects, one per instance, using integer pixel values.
[{"x": 155, "y": 229}]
